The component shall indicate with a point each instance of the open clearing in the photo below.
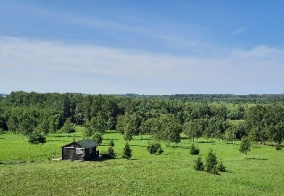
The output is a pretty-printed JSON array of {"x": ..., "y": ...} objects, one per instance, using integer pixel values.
[{"x": 28, "y": 170}]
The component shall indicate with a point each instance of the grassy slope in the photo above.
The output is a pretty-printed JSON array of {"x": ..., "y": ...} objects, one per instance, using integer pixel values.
[{"x": 172, "y": 173}]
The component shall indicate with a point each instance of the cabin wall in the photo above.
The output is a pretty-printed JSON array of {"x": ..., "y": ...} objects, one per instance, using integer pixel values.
[
  {"x": 90, "y": 153},
  {"x": 69, "y": 153}
]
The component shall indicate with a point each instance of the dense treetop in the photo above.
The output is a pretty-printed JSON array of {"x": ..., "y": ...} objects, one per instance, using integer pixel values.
[{"x": 261, "y": 117}]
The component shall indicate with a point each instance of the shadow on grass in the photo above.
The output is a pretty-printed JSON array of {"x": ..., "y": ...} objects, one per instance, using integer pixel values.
[
  {"x": 48, "y": 140},
  {"x": 102, "y": 159},
  {"x": 111, "y": 132},
  {"x": 110, "y": 139},
  {"x": 229, "y": 172},
  {"x": 138, "y": 145},
  {"x": 142, "y": 138},
  {"x": 259, "y": 159},
  {"x": 183, "y": 147},
  {"x": 209, "y": 142},
  {"x": 14, "y": 162},
  {"x": 64, "y": 136}
]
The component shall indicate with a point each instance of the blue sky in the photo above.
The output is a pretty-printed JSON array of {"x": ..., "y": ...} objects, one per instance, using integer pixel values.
[{"x": 144, "y": 47}]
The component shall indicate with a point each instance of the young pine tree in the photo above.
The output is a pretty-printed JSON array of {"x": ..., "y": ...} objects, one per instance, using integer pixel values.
[
  {"x": 198, "y": 166},
  {"x": 111, "y": 143},
  {"x": 111, "y": 152},
  {"x": 127, "y": 152},
  {"x": 211, "y": 163}
]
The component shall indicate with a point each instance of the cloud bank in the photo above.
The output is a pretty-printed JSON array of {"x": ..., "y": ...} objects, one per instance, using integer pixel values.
[{"x": 51, "y": 66}]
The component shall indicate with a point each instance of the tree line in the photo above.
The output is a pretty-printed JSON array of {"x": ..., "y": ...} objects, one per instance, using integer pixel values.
[{"x": 226, "y": 117}]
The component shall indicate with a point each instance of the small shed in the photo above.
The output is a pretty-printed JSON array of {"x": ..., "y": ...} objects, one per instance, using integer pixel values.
[{"x": 83, "y": 150}]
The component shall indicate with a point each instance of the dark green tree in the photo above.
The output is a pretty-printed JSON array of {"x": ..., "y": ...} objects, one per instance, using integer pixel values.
[
  {"x": 168, "y": 129},
  {"x": 127, "y": 152},
  {"x": 194, "y": 150},
  {"x": 211, "y": 163},
  {"x": 193, "y": 129},
  {"x": 256, "y": 123},
  {"x": 111, "y": 143},
  {"x": 230, "y": 134},
  {"x": 245, "y": 145},
  {"x": 221, "y": 167},
  {"x": 68, "y": 126},
  {"x": 198, "y": 165},
  {"x": 97, "y": 137},
  {"x": 155, "y": 148},
  {"x": 37, "y": 138},
  {"x": 111, "y": 152},
  {"x": 97, "y": 124}
]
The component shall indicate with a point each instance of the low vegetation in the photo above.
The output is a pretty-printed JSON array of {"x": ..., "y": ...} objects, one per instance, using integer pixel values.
[
  {"x": 194, "y": 150},
  {"x": 37, "y": 138},
  {"x": 155, "y": 148}
]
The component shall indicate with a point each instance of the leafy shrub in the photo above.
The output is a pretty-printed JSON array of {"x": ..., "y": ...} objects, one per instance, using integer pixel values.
[
  {"x": 215, "y": 170},
  {"x": 68, "y": 127},
  {"x": 155, "y": 148},
  {"x": 221, "y": 167},
  {"x": 198, "y": 166},
  {"x": 1, "y": 131},
  {"x": 194, "y": 150},
  {"x": 127, "y": 152},
  {"x": 36, "y": 138},
  {"x": 211, "y": 163},
  {"x": 278, "y": 147},
  {"x": 245, "y": 145},
  {"x": 97, "y": 137}
]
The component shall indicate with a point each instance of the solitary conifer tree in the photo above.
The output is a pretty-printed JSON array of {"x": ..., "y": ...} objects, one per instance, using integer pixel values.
[{"x": 127, "y": 152}]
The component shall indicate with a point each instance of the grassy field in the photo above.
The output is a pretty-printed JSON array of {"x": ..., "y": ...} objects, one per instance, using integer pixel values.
[{"x": 27, "y": 169}]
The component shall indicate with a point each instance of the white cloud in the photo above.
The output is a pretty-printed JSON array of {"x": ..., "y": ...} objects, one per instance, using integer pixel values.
[
  {"x": 237, "y": 31},
  {"x": 47, "y": 66},
  {"x": 261, "y": 51}
]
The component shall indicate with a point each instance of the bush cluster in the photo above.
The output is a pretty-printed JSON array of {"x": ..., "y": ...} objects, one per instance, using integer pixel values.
[
  {"x": 155, "y": 148},
  {"x": 97, "y": 137},
  {"x": 68, "y": 127},
  {"x": 212, "y": 166},
  {"x": 36, "y": 138},
  {"x": 221, "y": 167},
  {"x": 194, "y": 150},
  {"x": 110, "y": 152}
]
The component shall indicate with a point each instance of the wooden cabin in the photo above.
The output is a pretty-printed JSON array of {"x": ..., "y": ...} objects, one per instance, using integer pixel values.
[{"x": 83, "y": 150}]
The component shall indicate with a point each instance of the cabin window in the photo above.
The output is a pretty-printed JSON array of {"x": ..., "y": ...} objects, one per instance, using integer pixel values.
[{"x": 79, "y": 150}]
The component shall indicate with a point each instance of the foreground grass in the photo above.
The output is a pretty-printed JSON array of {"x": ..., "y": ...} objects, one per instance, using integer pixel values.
[{"x": 172, "y": 173}]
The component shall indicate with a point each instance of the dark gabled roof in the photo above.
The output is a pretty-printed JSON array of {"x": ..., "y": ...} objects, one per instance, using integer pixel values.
[{"x": 86, "y": 143}]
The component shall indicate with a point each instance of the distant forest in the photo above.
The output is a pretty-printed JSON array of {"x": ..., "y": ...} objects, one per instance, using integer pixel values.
[{"x": 165, "y": 117}]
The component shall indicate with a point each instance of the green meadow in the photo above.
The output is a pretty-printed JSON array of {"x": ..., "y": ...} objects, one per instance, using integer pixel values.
[{"x": 27, "y": 169}]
